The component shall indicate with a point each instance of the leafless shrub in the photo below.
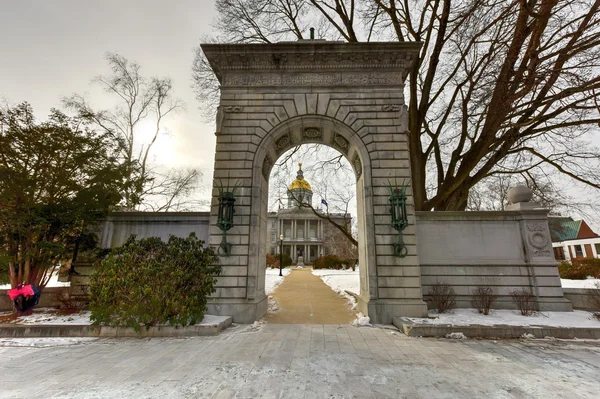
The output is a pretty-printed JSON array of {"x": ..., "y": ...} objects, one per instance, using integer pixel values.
[
  {"x": 483, "y": 299},
  {"x": 524, "y": 300},
  {"x": 442, "y": 297}
]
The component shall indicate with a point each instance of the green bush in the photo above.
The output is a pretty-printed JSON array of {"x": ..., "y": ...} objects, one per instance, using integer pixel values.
[
  {"x": 579, "y": 269},
  {"x": 150, "y": 282},
  {"x": 287, "y": 261},
  {"x": 329, "y": 262}
]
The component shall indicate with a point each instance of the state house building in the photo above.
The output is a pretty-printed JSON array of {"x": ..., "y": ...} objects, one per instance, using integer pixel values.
[{"x": 306, "y": 234}]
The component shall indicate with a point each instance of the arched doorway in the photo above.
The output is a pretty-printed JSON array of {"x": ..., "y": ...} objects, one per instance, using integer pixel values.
[{"x": 347, "y": 96}]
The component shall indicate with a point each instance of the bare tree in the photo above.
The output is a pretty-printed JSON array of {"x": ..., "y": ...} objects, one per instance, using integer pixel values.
[
  {"x": 140, "y": 101},
  {"x": 491, "y": 194},
  {"x": 498, "y": 86}
]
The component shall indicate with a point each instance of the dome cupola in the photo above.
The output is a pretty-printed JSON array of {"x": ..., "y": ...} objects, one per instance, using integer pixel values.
[{"x": 299, "y": 191}]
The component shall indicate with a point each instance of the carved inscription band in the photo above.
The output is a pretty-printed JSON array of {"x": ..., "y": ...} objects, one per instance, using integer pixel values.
[{"x": 314, "y": 79}]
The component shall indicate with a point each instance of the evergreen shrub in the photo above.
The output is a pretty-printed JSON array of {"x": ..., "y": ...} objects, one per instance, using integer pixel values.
[
  {"x": 287, "y": 261},
  {"x": 150, "y": 282},
  {"x": 579, "y": 269},
  {"x": 329, "y": 262}
]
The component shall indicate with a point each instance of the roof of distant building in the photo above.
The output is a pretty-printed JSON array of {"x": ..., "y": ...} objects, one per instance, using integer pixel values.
[{"x": 565, "y": 229}]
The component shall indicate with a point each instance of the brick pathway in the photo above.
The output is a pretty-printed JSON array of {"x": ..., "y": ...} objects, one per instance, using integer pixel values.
[
  {"x": 304, "y": 298},
  {"x": 302, "y": 361}
]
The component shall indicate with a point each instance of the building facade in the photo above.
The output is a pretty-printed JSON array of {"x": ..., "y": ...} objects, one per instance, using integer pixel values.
[
  {"x": 304, "y": 233},
  {"x": 572, "y": 239}
]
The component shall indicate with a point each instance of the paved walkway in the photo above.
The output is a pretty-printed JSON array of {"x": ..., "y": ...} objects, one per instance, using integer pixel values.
[
  {"x": 302, "y": 361},
  {"x": 304, "y": 298}
]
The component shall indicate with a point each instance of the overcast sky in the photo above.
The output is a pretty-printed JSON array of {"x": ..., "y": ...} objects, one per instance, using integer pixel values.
[{"x": 52, "y": 49}]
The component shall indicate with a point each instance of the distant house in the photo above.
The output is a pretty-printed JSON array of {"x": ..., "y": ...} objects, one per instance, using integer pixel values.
[{"x": 573, "y": 239}]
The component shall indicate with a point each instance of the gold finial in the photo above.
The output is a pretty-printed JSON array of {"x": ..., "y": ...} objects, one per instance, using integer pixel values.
[{"x": 300, "y": 165}]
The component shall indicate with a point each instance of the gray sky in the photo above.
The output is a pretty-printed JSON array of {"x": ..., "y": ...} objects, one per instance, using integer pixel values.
[{"x": 53, "y": 48}]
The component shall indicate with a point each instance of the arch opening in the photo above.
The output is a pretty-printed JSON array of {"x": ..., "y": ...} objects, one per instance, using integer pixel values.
[{"x": 316, "y": 131}]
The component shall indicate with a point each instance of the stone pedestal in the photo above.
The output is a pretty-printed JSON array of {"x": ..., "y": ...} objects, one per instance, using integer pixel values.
[{"x": 300, "y": 262}]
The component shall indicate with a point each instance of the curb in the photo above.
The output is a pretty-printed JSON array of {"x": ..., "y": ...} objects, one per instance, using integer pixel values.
[
  {"x": 85, "y": 330},
  {"x": 413, "y": 329}
]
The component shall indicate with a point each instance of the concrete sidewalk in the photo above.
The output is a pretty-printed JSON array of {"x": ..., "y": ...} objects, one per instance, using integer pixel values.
[
  {"x": 301, "y": 361},
  {"x": 304, "y": 298}
]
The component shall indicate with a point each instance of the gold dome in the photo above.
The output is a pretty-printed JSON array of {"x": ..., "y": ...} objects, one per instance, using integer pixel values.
[{"x": 300, "y": 182}]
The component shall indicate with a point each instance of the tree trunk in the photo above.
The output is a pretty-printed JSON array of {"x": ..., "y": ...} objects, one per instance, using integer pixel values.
[
  {"x": 456, "y": 201},
  {"x": 16, "y": 313}
]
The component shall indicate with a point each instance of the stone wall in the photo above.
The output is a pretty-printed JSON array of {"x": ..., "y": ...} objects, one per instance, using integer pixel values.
[
  {"x": 118, "y": 226},
  {"x": 503, "y": 250},
  {"x": 581, "y": 298}
]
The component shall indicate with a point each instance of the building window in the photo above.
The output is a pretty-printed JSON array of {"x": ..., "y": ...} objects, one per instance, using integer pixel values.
[
  {"x": 313, "y": 234},
  {"x": 273, "y": 224},
  {"x": 578, "y": 251},
  {"x": 272, "y": 237},
  {"x": 597, "y": 250},
  {"x": 288, "y": 233},
  {"x": 559, "y": 253},
  {"x": 272, "y": 250},
  {"x": 300, "y": 233}
]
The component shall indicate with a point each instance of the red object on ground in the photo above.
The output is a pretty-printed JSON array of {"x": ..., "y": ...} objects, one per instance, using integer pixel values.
[{"x": 25, "y": 290}]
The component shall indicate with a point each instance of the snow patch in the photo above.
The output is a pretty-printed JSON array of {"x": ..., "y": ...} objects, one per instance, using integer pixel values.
[
  {"x": 456, "y": 335},
  {"x": 588, "y": 283},
  {"x": 272, "y": 279},
  {"x": 465, "y": 317},
  {"x": 51, "y": 316},
  {"x": 362, "y": 320},
  {"x": 44, "y": 342},
  {"x": 527, "y": 336},
  {"x": 342, "y": 281}
]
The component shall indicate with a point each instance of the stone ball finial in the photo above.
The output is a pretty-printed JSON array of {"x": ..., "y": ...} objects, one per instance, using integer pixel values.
[{"x": 519, "y": 194}]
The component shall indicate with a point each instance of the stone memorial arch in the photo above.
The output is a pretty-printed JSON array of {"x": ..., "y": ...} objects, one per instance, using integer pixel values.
[{"x": 347, "y": 96}]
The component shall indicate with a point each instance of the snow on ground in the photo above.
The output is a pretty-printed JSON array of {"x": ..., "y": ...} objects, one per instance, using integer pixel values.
[
  {"x": 50, "y": 316},
  {"x": 46, "y": 316},
  {"x": 589, "y": 283},
  {"x": 52, "y": 283},
  {"x": 44, "y": 342},
  {"x": 272, "y": 279},
  {"x": 341, "y": 281},
  {"x": 463, "y": 317}
]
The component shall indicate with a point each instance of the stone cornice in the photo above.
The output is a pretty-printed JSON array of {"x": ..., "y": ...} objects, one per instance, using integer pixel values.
[{"x": 310, "y": 56}]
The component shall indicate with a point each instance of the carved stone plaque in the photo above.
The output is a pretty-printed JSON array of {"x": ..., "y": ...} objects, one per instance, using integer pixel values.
[
  {"x": 312, "y": 133},
  {"x": 341, "y": 143}
]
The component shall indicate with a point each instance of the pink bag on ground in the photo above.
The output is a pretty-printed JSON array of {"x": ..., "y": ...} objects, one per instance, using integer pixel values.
[{"x": 25, "y": 290}]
